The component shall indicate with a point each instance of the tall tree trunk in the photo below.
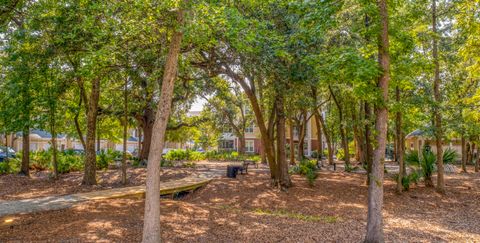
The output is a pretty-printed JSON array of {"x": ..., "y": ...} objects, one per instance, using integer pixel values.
[
  {"x": 25, "y": 169},
  {"x": 301, "y": 137},
  {"x": 125, "y": 132},
  {"x": 464, "y": 154},
  {"x": 357, "y": 138},
  {"x": 438, "y": 101},
  {"x": 400, "y": 144},
  {"x": 151, "y": 226},
  {"x": 292, "y": 143},
  {"x": 90, "y": 170},
  {"x": 368, "y": 142},
  {"x": 319, "y": 135},
  {"x": 375, "y": 188},
  {"x": 327, "y": 139},
  {"x": 282, "y": 165},
  {"x": 53, "y": 140}
]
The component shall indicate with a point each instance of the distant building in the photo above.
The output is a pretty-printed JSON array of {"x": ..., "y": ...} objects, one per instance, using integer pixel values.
[
  {"x": 417, "y": 139},
  {"x": 229, "y": 142}
]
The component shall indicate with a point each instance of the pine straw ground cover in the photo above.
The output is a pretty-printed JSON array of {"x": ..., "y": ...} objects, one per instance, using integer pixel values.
[
  {"x": 16, "y": 187},
  {"x": 248, "y": 210}
]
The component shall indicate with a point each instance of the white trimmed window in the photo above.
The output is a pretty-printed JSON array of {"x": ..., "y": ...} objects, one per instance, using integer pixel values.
[
  {"x": 249, "y": 146},
  {"x": 249, "y": 129}
]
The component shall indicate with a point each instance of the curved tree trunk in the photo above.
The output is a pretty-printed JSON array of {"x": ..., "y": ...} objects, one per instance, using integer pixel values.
[
  {"x": 375, "y": 188},
  {"x": 151, "y": 226},
  {"x": 327, "y": 139}
]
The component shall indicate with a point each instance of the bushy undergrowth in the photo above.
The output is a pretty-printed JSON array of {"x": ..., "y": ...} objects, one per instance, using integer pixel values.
[
  {"x": 307, "y": 168},
  {"x": 226, "y": 156},
  {"x": 108, "y": 157},
  {"x": 424, "y": 165},
  {"x": 184, "y": 155}
]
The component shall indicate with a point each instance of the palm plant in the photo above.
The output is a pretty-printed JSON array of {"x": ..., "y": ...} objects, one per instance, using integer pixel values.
[{"x": 427, "y": 162}]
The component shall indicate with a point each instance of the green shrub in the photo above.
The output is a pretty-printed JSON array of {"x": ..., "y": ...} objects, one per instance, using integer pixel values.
[
  {"x": 314, "y": 154},
  {"x": 449, "y": 156},
  {"x": 106, "y": 158},
  {"x": 40, "y": 160},
  {"x": 4, "y": 168},
  {"x": 166, "y": 163},
  {"x": 69, "y": 163},
  {"x": 306, "y": 168}
]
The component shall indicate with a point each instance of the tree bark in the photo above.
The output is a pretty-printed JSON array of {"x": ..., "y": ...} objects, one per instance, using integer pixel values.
[
  {"x": 284, "y": 177},
  {"x": 438, "y": 101},
  {"x": 375, "y": 189},
  {"x": 147, "y": 120},
  {"x": 400, "y": 143},
  {"x": 292, "y": 143},
  {"x": 464, "y": 154},
  {"x": 25, "y": 168},
  {"x": 125, "y": 132},
  {"x": 327, "y": 139},
  {"x": 241, "y": 143},
  {"x": 53, "y": 140},
  {"x": 368, "y": 142},
  {"x": 151, "y": 227},
  {"x": 319, "y": 135},
  {"x": 89, "y": 176},
  {"x": 343, "y": 134},
  {"x": 301, "y": 137}
]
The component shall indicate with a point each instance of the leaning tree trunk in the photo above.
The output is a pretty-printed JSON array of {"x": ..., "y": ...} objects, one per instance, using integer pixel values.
[
  {"x": 151, "y": 227},
  {"x": 147, "y": 120},
  {"x": 342, "y": 125},
  {"x": 282, "y": 165},
  {"x": 438, "y": 100},
  {"x": 89, "y": 176},
  {"x": 25, "y": 169},
  {"x": 375, "y": 188},
  {"x": 327, "y": 139}
]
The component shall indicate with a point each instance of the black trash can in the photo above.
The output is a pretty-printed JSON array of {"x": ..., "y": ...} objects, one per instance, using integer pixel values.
[{"x": 232, "y": 171}]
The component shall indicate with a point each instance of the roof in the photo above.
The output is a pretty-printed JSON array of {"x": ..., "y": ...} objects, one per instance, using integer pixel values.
[
  {"x": 416, "y": 133},
  {"x": 41, "y": 134}
]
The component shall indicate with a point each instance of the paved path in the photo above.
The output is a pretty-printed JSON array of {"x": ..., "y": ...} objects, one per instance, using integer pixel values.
[{"x": 67, "y": 201}]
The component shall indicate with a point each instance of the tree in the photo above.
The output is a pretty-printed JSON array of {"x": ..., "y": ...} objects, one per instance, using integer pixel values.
[
  {"x": 151, "y": 227},
  {"x": 375, "y": 189}
]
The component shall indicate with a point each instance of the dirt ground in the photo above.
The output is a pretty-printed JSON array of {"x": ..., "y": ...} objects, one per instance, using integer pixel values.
[
  {"x": 247, "y": 209},
  {"x": 16, "y": 187}
]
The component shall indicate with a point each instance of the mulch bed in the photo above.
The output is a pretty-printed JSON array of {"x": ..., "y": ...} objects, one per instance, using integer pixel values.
[
  {"x": 16, "y": 187},
  {"x": 249, "y": 210}
]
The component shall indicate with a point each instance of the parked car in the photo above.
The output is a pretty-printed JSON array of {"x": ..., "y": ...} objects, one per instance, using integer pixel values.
[{"x": 6, "y": 152}]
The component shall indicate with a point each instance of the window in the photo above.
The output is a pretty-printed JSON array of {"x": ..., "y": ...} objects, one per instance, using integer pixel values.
[
  {"x": 250, "y": 146},
  {"x": 228, "y": 130},
  {"x": 249, "y": 129},
  {"x": 226, "y": 144}
]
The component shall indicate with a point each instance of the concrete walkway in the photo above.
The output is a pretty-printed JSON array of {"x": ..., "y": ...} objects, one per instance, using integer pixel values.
[{"x": 61, "y": 202}]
